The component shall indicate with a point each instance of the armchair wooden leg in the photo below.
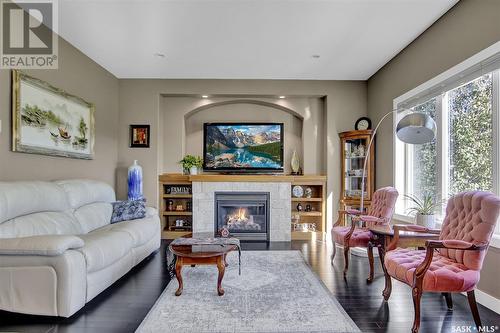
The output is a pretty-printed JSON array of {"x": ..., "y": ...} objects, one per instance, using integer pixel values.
[
  {"x": 346, "y": 258},
  {"x": 473, "y": 307},
  {"x": 417, "y": 295},
  {"x": 449, "y": 300},
  {"x": 334, "y": 251},
  {"x": 370, "y": 261}
]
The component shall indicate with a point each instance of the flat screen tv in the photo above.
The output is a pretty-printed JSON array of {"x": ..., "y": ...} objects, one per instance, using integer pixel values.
[{"x": 243, "y": 147}]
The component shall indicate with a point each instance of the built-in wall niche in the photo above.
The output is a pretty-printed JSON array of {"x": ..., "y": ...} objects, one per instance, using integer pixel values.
[
  {"x": 303, "y": 120},
  {"x": 245, "y": 113}
]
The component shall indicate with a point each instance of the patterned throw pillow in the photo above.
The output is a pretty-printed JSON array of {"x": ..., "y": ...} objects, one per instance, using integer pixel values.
[{"x": 128, "y": 210}]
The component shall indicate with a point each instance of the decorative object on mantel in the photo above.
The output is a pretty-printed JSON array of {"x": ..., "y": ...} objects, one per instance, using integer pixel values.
[
  {"x": 424, "y": 209},
  {"x": 179, "y": 208},
  {"x": 139, "y": 136},
  {"x": 135, "y": 181},
  {"x": 308, "y": 208},
  {"x": 295, "y": 163},
  {"x": 363, "y": 123},
  {"x": 308, "y": 192},
  {"x": 170, "y": 205},
  {"x": 297, "y": 191},
  {"x": 191, "y": 164},
  {"x": 178, "y": 189},
  {"x": 299, "y": 207},
  {"x": 48, "y": 121}
]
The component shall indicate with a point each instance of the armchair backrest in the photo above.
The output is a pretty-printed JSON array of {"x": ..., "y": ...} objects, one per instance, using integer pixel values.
[
  {"x": 471, "y": 217},
  {"x": 383, "y": 202}
]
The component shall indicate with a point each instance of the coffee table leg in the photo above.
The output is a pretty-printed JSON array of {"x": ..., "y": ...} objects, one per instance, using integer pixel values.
[
  {"x": 222, "y": 268},
  {"x": 225, "y": 261},
  {"x": 178, "y": 269}
]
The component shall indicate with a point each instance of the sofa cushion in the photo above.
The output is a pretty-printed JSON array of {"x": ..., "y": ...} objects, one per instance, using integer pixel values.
[
  {"x": 141, "y": 230},
  {"x": 360, "y": 236},
  {"x": 104, "y": 247},
  {"x": 128, "y": 210},
  {"x": 444, "y": 274},
  {"x": 39, "y": 224},
  {"x": 83, "y": 192},
  {"x": 93, "y": 216},
  {"x": 23, "y": 198}
]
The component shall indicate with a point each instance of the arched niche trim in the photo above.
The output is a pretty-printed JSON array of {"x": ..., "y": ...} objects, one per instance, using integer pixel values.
[{"x": 244, "y": 101}]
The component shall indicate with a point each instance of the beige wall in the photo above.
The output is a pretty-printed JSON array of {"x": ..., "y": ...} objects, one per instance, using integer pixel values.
[
  {"x": 303, "y": 120},
  {"x": 78, "y": 75},
  {"x": 466, "y": 29},
  {"x": 141, "y": 101}
]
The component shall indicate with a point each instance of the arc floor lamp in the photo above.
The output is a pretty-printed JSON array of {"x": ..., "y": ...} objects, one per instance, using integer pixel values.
[{"x": 413, "y": 128}]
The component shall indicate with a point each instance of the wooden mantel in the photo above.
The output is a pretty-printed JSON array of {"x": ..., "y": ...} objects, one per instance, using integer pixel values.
[{"x": 240, "y": 178}]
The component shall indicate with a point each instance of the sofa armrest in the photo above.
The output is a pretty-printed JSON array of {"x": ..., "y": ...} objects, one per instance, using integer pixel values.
[
  {"x": 50, "y": 245},
  {"x": 151, "y": 212}
]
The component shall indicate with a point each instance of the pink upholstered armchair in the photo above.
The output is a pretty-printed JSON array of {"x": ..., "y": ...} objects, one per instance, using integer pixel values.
[
  {"x": 453, "y": 263},
  {"x": 379, "y": 212}
]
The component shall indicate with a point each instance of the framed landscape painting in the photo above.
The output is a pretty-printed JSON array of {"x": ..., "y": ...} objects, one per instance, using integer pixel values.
[{"x": 47, "y": 120}]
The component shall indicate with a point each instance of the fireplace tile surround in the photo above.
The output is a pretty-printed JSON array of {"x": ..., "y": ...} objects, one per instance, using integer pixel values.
[{"x": 280, "y": 205}]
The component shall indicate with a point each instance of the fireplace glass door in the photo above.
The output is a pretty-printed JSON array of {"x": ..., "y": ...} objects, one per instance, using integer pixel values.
[{"x": 245, "y": 215}]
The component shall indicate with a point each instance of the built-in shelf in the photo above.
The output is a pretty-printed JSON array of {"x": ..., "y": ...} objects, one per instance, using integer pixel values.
[
  {"x": 307, "y": 199},
  {"x": 176, "y": 213},
  {"x": 307, "y": 235},
  {"x": 174, "y": 234},
  {"x": 178, "y": 196},
  {"x": 307, "y": 213}
]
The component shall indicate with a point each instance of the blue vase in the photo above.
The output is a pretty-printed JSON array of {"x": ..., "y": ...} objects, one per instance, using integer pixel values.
[{"x": 135, "y": 181}]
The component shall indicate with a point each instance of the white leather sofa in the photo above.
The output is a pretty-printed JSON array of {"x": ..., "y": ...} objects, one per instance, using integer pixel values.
[{"x": 58, "y": 249}]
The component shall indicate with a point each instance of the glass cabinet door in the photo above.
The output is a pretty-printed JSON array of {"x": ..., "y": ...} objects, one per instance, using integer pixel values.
[{"x": 354, "y": 156}]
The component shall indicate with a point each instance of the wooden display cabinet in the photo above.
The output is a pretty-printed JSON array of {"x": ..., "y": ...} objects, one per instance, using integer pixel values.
[{"x": 353, "y": 146}]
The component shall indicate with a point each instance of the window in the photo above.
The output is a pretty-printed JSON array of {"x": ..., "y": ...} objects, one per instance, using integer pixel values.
[{"x": 465, "y": 154}]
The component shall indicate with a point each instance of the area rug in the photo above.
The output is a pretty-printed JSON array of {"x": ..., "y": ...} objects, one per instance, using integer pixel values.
[{"x": 276, "y": 292}]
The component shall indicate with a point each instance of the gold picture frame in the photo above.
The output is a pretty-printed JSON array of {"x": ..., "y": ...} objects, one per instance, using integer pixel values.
[{"x": 49, "y": 121}]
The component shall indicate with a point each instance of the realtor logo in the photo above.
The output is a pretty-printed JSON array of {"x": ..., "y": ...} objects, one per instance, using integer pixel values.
[{"x": 29, "y": 37}]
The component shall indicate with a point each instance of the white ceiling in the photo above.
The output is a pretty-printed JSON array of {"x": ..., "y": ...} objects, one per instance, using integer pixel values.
[{"x": 243, "y": 39}]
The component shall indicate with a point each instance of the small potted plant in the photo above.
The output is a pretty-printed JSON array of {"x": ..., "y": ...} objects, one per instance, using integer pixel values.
[
  {"x": 191, "y": 164},
  {"x": 424, "y": 209}
]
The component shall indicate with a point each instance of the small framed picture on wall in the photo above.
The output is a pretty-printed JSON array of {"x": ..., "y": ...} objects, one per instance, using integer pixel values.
[{"x": 139, "y": 136}]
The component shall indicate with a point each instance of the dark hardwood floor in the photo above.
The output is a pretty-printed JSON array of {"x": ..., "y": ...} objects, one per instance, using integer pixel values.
[{"x": 122, "y": 307}]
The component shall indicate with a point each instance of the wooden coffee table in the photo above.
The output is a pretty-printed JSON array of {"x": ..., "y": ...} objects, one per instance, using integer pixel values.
[
  {"x": 201, "y": 255},
  {"x": 384, "y": 239}
]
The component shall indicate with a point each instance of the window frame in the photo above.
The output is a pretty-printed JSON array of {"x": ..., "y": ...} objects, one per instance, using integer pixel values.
[{"x": 438, "y": 88}]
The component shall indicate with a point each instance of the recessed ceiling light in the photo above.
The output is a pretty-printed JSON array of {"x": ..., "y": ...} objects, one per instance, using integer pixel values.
[
  {"x": 316, "y": 56},
  {"x": 282, "y": 97},
  {"x": 159, "y": 55},
  {"x": 204, "y": 96}
]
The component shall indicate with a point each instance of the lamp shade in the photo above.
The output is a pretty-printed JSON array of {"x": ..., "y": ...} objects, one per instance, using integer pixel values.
[{"x": 416, "y": 128}]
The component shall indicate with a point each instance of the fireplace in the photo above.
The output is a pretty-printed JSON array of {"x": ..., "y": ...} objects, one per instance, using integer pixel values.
[{"x": 245, "y": 214}]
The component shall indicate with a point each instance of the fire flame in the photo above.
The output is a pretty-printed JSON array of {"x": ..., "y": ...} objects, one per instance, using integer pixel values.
[{"x": 242, "y": 214}]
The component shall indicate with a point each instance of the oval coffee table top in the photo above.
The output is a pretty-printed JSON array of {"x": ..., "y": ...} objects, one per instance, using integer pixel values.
[{"x": 201, "y": 251}]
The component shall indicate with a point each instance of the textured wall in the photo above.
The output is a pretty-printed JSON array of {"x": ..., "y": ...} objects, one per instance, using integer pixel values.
[{"x": 78, "y": 75}]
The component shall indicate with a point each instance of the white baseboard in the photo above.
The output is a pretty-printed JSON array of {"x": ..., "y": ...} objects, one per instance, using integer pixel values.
[{"x": 487, "y": 300}]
